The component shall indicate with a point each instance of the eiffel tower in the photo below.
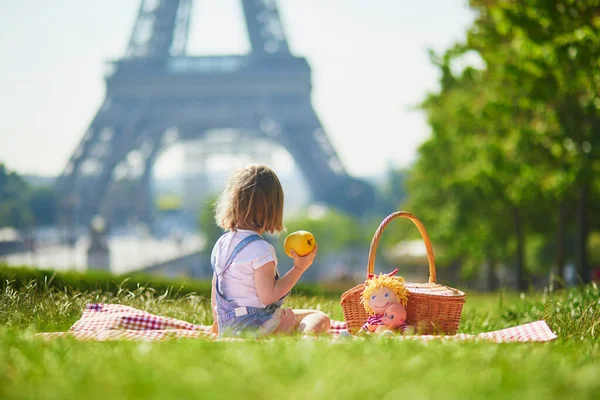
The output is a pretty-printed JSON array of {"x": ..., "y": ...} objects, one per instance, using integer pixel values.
[{"x": 157, "y": 94}]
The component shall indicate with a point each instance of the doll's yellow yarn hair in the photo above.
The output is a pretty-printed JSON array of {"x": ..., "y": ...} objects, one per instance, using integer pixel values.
[{"x": 377, "y": 282}]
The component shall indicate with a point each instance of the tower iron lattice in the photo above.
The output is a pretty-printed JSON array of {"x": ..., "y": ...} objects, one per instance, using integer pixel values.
[{"x": 156, "y": 94}]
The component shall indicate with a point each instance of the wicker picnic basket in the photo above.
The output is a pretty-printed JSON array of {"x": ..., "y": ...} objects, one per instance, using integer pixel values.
[{"x": 431, "y": 307}]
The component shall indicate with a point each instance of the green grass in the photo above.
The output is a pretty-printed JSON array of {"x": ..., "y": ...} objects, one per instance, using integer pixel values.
[
  {"x": 293, "y": 368},
  {"x": 18, "y": 277}
]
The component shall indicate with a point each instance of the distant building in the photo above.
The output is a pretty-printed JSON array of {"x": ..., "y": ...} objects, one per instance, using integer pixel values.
[{"x": 11, "y": 241}]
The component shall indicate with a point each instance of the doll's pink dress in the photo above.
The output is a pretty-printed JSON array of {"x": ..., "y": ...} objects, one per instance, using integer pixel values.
[{"x": 374, "y": 321}]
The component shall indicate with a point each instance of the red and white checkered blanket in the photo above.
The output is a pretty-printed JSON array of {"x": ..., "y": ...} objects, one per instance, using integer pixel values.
[{"x": 119, "y": 322}]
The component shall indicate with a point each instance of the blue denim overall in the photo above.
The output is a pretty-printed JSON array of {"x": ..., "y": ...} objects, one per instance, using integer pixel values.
[{"x": 233, "y": 318}]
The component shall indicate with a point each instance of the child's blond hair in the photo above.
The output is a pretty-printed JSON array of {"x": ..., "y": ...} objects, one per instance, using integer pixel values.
[
  {"x": 253, "y": 199},
  {"x": 377, "y": 282}
]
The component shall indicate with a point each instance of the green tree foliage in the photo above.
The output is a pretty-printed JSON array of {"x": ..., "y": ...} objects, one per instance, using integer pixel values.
[
  {"x": 332, "y": 229},
  {"x": 513, "y": 143},
  {"x": 43, "y": 204},
  {"x": 462, "y": 185},
  {"x": 550, "y": 51},
  {"x": 22, "y": 206},
  {"x": 14, "y": 193},
  {"x": 206, "y": 222},
  {"x": 391, "y": 192}
]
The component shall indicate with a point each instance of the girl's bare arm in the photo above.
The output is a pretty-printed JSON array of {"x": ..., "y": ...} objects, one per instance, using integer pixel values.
[
  {"x": 213, "y": 300},
  {"x": 270, "y": 290}
]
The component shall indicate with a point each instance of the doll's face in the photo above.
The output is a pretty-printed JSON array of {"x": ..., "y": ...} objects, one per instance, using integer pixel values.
[
  {"x": 394, "y": 316},
  {"x": 382, "y": 298}
]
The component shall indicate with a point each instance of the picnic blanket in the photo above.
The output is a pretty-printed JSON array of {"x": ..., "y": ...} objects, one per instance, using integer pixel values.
[{"x": 101, "y": 322}]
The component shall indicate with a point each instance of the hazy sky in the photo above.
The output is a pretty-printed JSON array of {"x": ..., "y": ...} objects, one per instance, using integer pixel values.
[{"x": 369, "y": 62}]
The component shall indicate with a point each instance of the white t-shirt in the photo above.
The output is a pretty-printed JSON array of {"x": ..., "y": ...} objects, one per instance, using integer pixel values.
[{"x": 237, "y": 283}]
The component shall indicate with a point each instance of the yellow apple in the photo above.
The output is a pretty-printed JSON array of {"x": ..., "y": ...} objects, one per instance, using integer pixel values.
[{"x": 302, "y": 242}]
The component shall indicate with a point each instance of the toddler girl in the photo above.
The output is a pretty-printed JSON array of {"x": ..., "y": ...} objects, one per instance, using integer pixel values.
[{"x": 247, "y": 292}]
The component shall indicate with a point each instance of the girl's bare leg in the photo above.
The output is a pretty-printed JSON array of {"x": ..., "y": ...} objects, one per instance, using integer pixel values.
[
  {"x": 303, "y": 321},
  {"x": 311, "y": 321},
  {"x": 287, "y": 324}
]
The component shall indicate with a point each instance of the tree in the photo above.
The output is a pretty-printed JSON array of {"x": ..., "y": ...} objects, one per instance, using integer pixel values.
[
  {"x": 463, "y": 184},
  {"x": 392, "y": 191},
  {"x": 549, "y": 50},
  {"x": 14, "y": 210},
  {"x": 330, "y": 227},
  {"x": 514, "y": 140},
  {"x": 207, "y": 223},
  {"x": 44, "y": 205}
]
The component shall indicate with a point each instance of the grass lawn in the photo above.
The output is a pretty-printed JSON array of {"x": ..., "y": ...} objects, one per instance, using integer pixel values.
[{"x": 292, "y": 368}]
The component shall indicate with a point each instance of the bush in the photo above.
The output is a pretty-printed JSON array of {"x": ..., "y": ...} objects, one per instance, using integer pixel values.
[{"x": 99, "y": 280}]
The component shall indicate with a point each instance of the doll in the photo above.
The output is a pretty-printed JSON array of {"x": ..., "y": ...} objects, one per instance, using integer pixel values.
[
  {"x": 393, "y": 319},
  {"x": 379, "y": 293}
]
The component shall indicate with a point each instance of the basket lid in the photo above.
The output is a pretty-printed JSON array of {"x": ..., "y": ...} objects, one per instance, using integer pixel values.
[{"x": 433, "y": 289}]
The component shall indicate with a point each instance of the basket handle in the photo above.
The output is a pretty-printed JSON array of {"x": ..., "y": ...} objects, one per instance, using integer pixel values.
[{"x": 422, "y": 231}]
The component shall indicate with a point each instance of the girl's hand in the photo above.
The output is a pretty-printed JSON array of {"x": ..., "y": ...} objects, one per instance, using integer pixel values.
[{"x": 303, "y": 263}]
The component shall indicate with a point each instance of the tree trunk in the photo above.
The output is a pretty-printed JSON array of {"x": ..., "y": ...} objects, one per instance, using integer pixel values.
[
  {"x": 492, "y": 278},
  {"x": 521, "y": 280},
  {"x": 583, "y": 269},
  {"x": 559, "y": 281}
]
